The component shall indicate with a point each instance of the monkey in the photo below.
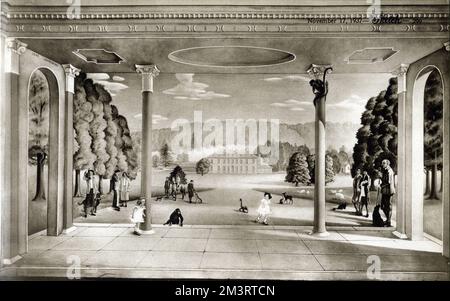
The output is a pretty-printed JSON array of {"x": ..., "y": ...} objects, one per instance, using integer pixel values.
[
  {"x": 320, "y": 87},
  {"x": 176, "y": 218}
]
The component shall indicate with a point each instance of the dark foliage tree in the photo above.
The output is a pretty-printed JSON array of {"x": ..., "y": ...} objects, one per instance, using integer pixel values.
[
  {"x": 297, "y": 170},
  {"x": 178, "y": 174},
  {"x": 329, "y": 172},
  {"x": 202, "y": 166},
  {"x": 165, "y": 155},
  {"x": 38, "y": 129}
]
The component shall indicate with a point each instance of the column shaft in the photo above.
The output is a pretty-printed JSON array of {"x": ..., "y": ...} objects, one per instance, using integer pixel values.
[
  {"x": 319, "y": 185},
  {"x": 146, "y": 157},
  {"x": 68, "y": 164}
]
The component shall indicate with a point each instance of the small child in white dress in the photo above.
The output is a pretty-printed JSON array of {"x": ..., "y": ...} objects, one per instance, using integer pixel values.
[
  {"x": 264, "y": 210},
  {"x": 138, "y": 215}
]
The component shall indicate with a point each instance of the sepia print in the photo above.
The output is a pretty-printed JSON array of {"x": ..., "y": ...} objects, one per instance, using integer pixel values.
[{"x": 282, "y": 140}]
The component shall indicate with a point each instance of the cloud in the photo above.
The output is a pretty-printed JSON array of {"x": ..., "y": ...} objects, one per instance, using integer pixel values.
[
  {"x": 156, "y": 118},
  {"x": 97, "y": 76},
  {"x": 292, "y": 104},
  {"x": 112, "y": 87},
  {"x": 287, "y": 77},
  {"x": 118, "y": 78},
  {"x": 354, "y": 102},
  {"x": 188, "y": 89}
]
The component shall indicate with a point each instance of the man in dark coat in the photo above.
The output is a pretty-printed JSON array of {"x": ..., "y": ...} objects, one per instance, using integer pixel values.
[
  {"x": 191, "y": 190},
  {"x": 387, "y": 190},
  {"x": 166, "y": 187},
  {"x": 115, "y": 186}
]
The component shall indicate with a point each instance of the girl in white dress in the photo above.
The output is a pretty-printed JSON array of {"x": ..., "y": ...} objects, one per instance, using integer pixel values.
[
  {"x": 138, "y": 215},
  {"x": 264, "y": 210}
]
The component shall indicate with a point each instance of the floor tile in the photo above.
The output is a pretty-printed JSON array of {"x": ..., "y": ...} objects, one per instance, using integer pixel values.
[
  {"x": 132, "y": 244},
  {"x": 188, "y": 233},
  {"x": 282, "y": 246},
  {"x": 102, "y": 231},
  {"x": 290, "y": 262},
  {"x": 181, "y": 244},
  {"x": 333, "y": 247},
  {"x": 113, "y": 259},
  {"x": 367, "y": 235},
  {"x": 414, "y": 263},
  {"x": 231, "y": 245},
  {"x": 185, "y": 260},
  {"x": 83, "y": 243},
  {"x": 54, "y": 258},
  {"x": 349, "y": 262},
  {"x": 212, "y": 260},
  {"x": 159, "y": 232},
  {"x": 45, "y": 242},
  {"x": 306, "y": 235}
]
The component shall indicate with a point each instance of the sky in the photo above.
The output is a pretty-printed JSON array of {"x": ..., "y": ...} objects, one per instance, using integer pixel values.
[{"x": 241, "y": 96}]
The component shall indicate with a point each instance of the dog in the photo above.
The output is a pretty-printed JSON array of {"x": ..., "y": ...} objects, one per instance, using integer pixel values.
[
  {"x": 341, "y": 206},
  {"x": 243, "y": 209},
  {"x": 286, "y": 199},
  {"x": 377, "y": 221},
  {"x": 176, "y": 218},
  {"x": 158, "y": 198}
]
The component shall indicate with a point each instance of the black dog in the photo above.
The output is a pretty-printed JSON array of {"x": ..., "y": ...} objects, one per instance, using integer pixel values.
[
  {"x": 341, "y": 206},
  {"x": 243, "y": 208},
  {"x": 87, "y": 203},
  {"x": 176, "y": 218},
  {"x": 286, "y": 199},
  {"x": 377, "y": 221}
]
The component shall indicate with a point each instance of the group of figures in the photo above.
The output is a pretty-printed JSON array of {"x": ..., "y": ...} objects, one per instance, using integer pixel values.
[
  {"x": 384, "y": 184},
  {"x": 173, "y": 186},
  {"x": 119, "y": 186}
]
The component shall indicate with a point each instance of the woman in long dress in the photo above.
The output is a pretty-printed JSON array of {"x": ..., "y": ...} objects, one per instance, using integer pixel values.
[
  {"x": 124, "y": 190},
  {"x": 264, "y": 210}
]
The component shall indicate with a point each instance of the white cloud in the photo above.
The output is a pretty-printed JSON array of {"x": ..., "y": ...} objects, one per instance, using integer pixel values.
[
  {"x": 188, "y": 89},
  {"x": 287, "y": 77},
  {"x": 97, "y": 76},
  {"x": 354, "y": 102},
  {"x": 112, "y": 87},
  {"x": 292, "y": 104},
  {"x": 118, "y": 78},
  {"x": 156, "y": 118}
]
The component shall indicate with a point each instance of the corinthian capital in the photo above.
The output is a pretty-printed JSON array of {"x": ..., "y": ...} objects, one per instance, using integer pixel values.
[
  {"x": 400, "y": 70},
  {"x": 152, "y": 70},
  {"x": 16, "y": 46}
]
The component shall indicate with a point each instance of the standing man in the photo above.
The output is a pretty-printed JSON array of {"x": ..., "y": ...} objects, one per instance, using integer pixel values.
[
  {"x": 115, "y": 186},
  {"x": 387, "y": 190},
  {"x": 166, "y": 187},
  {"x": 357, "y": 191},
  {"x": 365, "y": 183},
  {"x": 191, "y": 190}
]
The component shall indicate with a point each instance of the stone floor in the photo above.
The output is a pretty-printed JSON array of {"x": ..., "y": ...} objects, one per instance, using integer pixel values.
[{"x": 237, "y": 252}]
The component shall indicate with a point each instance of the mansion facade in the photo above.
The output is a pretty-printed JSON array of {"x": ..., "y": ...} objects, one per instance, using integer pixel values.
[{"x": 238, "y": 164}]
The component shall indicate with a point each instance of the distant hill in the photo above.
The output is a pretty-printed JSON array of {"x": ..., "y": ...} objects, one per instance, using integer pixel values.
[{"x": 337, "y": 135}]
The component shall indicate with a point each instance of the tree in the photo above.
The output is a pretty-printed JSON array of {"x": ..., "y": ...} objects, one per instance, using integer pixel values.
[
  {"x": 336, "y": 162},
  {"x": 155, "y": 161},
  {"x": 311, "y": 160},
  {"x": 202, "y": 166},
  {"x": 97, "y": 131},
  {"x": 329, "y": 173},
  {"x": 433, "y": 136},
  {"x": 122, "y": 164},
  {"x": 178, "y": 173},
  {"x": 297, "y": 170},
  {"x": 38, "y": 129},
  {"x": 110, "y": 131},
  {"x": 377, "y": 136},
  {"x": 165, "y": 155}
]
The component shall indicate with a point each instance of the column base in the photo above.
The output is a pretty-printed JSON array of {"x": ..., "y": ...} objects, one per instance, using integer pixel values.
[
  {"x": 400, "y": 235},
  {"x": 68, "y": 230},
  {"x": 147, "y": 232},
  {"x": 319, "y": 234},
  {"x": 9, "y": 261}
]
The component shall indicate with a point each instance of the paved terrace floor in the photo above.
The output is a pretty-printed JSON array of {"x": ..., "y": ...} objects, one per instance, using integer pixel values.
[{"x": 222, "y": 252}]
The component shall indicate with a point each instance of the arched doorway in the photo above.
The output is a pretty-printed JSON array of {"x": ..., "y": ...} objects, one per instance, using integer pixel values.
[
  {"x": 43, "y": 148},
  {"x": 433, "y": 151}
]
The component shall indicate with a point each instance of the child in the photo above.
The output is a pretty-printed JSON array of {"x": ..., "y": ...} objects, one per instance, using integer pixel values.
[
  {"x": 138, "y": 215},
  {"x": 264, "y": 209}
]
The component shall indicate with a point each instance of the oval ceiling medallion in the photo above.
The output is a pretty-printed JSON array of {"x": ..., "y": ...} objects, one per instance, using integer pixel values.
[{"x": 231, "y": 56}]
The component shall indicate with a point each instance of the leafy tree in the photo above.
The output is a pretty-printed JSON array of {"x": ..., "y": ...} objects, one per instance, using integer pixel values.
[
  {"x": 38, "y": 129},
  {"x": 311, "y": 160},
  {"x": 329, "y": 173},
  {"x": 433, "y": 124},
  {"x": 155, "y": 161},
  {"x": 202, "y": 166},
  {"x": 178, "y": 173},
  {"x": 165, "y": 155},
  {"x": 297, "y": 170}
]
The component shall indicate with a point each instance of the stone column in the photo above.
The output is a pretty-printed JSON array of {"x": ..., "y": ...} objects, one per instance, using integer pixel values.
[
  {"x": 148, "y": 73},
  {"x": 446, "y": 159},
  {"x": 71, "y": 72},
  {"x": 400, "y": 73},
  {"x": 14, "y": 236},
  {"x": 317, "y": 72}
]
